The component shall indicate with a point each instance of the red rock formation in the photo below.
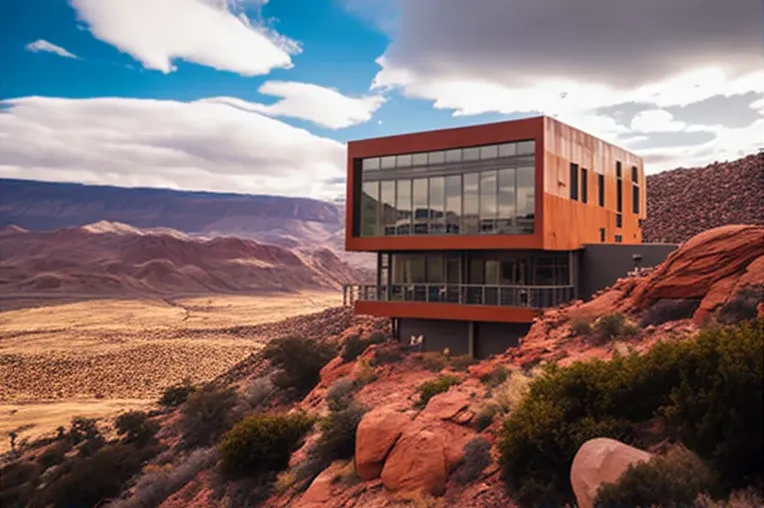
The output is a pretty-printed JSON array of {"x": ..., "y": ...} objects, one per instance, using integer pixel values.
[{"x": 684, "y": 202}]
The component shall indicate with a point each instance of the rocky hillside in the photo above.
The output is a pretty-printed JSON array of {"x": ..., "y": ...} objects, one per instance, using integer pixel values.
[
  {"x": 686, "y": 201},
  {"x": 117, "y": 260}
]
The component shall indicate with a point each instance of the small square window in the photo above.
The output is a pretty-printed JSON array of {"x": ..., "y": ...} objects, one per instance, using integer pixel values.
[
  {"x": 507, "y": 149},
  {"x": 436, "y": 157},
  {"x": 403, "y": 161},
  {"x": 489, "y": 152},
  {"x": 525, "y": 147},
  {"x": 454, "y": 155},
  {"x": 618, "y": 239},
  {"x": 388, "y": 162},
  {"x": 419, "y": 159},
  {"x": 634, "y": 174},
  {"x": 602, "y": 235},
  {"x": 619, "y": 220},
  {"x": 372, "y": 163},
  {"x": 471, "y": 154}
]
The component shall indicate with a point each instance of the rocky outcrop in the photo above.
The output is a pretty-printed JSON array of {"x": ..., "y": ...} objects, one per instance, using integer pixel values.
[
  {"x": 684, "y": 202},
  {"x": 599, "y": 461},
  {"x": 377, "y": 433}
]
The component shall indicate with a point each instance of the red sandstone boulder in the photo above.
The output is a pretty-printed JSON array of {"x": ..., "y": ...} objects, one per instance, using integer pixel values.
[
  {"x": 319, "y": 494},
  {"x": 418, "y": 462},
  {"x": 446, "y": 406},
  {"x": 377, "y": 433},
  {"x": 599, "y": 461}
]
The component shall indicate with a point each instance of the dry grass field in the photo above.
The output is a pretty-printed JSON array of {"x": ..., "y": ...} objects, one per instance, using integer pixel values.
[{"x": 96, "y": 358}]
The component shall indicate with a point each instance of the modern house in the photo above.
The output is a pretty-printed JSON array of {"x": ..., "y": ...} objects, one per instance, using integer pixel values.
[{"x": 477, "y": 229}]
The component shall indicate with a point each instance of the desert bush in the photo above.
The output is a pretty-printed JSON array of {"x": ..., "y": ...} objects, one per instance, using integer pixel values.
[
  {"x": 284, "y": 481},
  {"x": 260, "y": 392},
  {"x": 365, "y": 373},
  {"x": 667, "y": 310},
  {"x": 348, "y": 476},
  {"x": 339, "y": 395},
  {"x": 18, "y": 480},
  {"x": 249, "y": 491},
  {"x": 511, "y": 392},
  {"x": 429, "y": 389},
  {"x": 751, "y": 497},
  {"x": 262, "y": 443},
  {"x": 177, "y": 394},
  {"x": 54, "y": 454},
  {"x": 581, "y": 327},
  {"x": 708, "y": 390},
  {"x": 85, "y": 435},
  {"x": 206, "y": 415},
  {"x": 611, "y": 327},
  {"x": 669, "y": 481},
  {"x": 485, "y": 416},
  {"x": 377, "y": 337},
  {"x": 461, "y": 362},
  {"x": 742, "y": 306},
  {"x": 433, "y": 360},
  {"x": 300, "y": 362},
  {"x": 135, "y": 427},
  {"x": 159, "y": 483},
  {"x": 353, "y": 347},
  {"x": 496, "y": 377},
  {"x": 387, "y": 353},
  {"x": 477, "y": 456}
]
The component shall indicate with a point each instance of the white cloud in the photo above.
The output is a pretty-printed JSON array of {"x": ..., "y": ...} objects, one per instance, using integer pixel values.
[
  {"x": 43, "y": 45},
  {"x": 208, "y": 33},
  {"x": 317, "y": 104},
  {"x": 491, "y": 57},
  {"x": 201, "y": 145}
]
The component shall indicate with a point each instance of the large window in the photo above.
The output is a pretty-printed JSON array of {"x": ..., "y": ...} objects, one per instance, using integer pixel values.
[
  {"x": 584, "y": 185},
  {"x": 601, "y": 190},
  {"x": 574, "y": 181},
  {"x": 470, "y": 191}
]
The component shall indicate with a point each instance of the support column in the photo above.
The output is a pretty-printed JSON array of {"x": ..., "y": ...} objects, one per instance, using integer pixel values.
[{"x": 471, "y": 339}]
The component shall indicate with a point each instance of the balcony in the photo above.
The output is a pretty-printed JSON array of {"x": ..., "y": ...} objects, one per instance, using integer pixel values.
[{"x": 534, "y": 297}]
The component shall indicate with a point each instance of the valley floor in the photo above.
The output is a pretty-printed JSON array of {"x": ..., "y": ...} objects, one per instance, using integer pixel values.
[{"x": 97, "y": 358}]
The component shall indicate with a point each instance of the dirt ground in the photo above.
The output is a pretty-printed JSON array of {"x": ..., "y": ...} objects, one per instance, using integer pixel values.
[{"x": 100, "y": 357}]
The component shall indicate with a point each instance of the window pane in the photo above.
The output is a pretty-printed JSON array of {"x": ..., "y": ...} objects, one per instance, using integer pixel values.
[
  {"x": 471, "y": 154},
  {"x": 526, "y": 199},
  {"x": 489, "y": 152},
  {"x": 388, "y": 162},
  {"x": 371, "y": 163},
  {"x": 525, "y": 147},
  {"x": 388, "y": 206},
  {"x": 454, "y": 155},
  {"x": 453, "y": 203},
  {"x": 420, "y": 159},
  {"x": 635, "y": 199},
  {"x": 369, "y": 209},
  {"x": 507, "y": 201},
  {"x": 584, "y": 185},
  {"x": 436, "y": 157},
  {"x": 634, "y": 174},
  {"x": 403, "y": 161},
  {"x": 487, "y": 201},
  {"x": 619, "y": 195},
  {"x": 492, "y": 272},
  {"x": 601, "y": 190},
  {"x": 507, "y": 149},
  {"x": 403, "y": 206},
  {"x": 435, "y": 268},
  {"x": 420, "y": 206},
  {"x": 573, "y": 181},
  {"x": 437, "y": 198},
  {"x": 477, "y": 276},
  {"x": 470, "y": 204}
]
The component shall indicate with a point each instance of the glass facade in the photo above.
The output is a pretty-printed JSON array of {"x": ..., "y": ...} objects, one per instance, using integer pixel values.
[{"x": 470, "y": 191}]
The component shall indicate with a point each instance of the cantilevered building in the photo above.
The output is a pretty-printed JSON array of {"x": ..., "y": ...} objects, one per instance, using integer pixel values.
[{"x": 477, "y": 229}]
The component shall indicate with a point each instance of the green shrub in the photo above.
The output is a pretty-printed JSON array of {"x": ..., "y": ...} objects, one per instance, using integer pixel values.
[
  {"x": 611, "y": 327},
  {"x": 461, "y": 362},
  {"x": 387, "y": 353},
  {"x": 263, "y": 442},
  {"x": 136, "y": 427},
  {"x": 340, "y": 394},
  {"x": 581, "y": 327},
  {"x": 709, "y": 389},
  {"x": 206, "y": 415},
  {"x": 18, "y": 480},
  {"x": 177, "y": 394},
  {"x": 377, "y": 337},
  {"x": 669, "y": 481},
  {"x": 432, "y": 360},
  {"x": 742, "y": 306},
  {"x": 353, "y": 347},
  {"x": 300, "y": 362},
  {"x": 429, "y": 389},
  {"x": 85, "y": 434},
  {"x": 667, "y": 310},
  {"x": 485, "y": 416},
  {"x": 54, "y": 454},
  {"x": 477, "y": 456},
  {"x": 496, "y": 377}
]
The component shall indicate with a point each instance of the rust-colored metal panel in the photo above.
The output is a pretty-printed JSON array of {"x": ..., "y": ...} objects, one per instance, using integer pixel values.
[
  {"x": 514, "y": 130},
  {"x": 449, "y": 311}
]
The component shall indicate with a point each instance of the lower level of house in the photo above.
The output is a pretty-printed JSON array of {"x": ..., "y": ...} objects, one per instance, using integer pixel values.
[{"x": 482, "y": 302}]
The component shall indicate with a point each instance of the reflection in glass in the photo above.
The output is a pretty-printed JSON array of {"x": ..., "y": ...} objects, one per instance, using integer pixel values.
[
  {"x": 453, "y": 193},
  {"x": 454, "y": 155},
  {"x": 370, "y": 209},
  {"x": 420, "y": 206},
  {"x": 507, "y": 201},
  {"x": 371, "y": 163},
  {"x": 526, "y": 202},
  {"x": 420, "y": 159},
  {"x": 507, "y": 149},
  {"x": 470, "y": 204},
  {"x": 403, "y": 206},
  {"x": 489, "y": 152},
  {"x": 403, "y": 161},
  {"x": 435, "y": 268},
  {"x": 487, "y": 201},
  {"x": 525, "y": 147},
  {"x": 387, "y": 162},
  {"x": 387, "y": 196},
  {"x": 436, "y": 158},
  {"x": 437, "y": 198},
  {"x": 471, "y": 154}
]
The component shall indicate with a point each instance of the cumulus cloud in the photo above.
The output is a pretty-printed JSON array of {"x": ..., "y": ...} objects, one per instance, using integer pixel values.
[
  {"x": 48, "y": 47},
  {"x": 200, "y": 145},
  {"x": 317, "y": 104},
  {"x": 206, "y": 32},
  {"x": 576, "y": 60}
]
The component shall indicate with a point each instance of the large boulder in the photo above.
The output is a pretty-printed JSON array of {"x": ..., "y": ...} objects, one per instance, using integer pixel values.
[
  {"x": 599, "y": 461},
  {"x": 418, "y": 462},
  {"x": 377, "y": 432}
]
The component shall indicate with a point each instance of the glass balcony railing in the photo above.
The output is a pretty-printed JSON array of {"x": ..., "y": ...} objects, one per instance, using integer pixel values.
[{"x": 537, "y": 297}]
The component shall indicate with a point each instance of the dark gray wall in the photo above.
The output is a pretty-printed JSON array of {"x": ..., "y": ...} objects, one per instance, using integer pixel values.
[
  {"x": 495, "y": 338},
  {"x": 602, "y": 264},
  {"x": 438, "y": 334}
]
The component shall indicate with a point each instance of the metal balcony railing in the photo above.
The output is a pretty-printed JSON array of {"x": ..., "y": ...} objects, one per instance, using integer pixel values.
[{"x": 468, "y": 294}]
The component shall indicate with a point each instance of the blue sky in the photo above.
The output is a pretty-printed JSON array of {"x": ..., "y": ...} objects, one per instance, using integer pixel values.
[{"x": 260, "y": 97}]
